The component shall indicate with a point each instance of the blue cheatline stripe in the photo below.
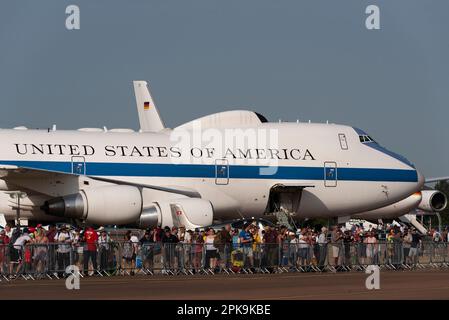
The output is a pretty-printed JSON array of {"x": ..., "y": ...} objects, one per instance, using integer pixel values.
[{"x": 208, "y": 171}]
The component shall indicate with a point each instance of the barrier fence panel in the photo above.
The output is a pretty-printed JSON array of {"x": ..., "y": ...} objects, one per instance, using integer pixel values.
[{"x": 49, "y": 260}]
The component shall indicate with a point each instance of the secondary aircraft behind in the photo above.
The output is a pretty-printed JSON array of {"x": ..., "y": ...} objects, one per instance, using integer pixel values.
[{"x": 222, "y": 166}]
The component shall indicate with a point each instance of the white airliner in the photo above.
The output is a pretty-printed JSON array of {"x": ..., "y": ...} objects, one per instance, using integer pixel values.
[
  {"x": 199, "y": 172},
  {"x": 428, "y": 200}
]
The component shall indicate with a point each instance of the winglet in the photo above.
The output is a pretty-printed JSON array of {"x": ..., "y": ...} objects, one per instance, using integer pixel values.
[{"x": 149, "y": 117}]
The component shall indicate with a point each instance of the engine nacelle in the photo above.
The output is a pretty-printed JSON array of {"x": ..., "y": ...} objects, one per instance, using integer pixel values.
[
  {"x": 433, "y": 201},
  {"x": 188, "y": 212},
  {"x": 392, "y": 211},
  {"x": 103, "y": 205}
]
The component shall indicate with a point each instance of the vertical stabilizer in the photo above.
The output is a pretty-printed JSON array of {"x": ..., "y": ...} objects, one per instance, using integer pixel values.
[{"x": 149, "y": 117}]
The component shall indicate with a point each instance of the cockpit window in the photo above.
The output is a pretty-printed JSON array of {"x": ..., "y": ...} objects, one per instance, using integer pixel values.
[
  {"x": 365, "y": 138},
  {"x": 370, "y": 142}
]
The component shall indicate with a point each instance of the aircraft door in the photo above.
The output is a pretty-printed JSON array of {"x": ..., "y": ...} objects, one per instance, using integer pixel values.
[
  {"x": 221, "y": 171},
  {"x": 78, "y": 165},
  {"x": 330, "y": 174},
  {"x": 343, "y": 141}
]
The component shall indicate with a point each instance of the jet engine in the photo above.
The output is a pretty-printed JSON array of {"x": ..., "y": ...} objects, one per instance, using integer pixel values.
[
  {"x": 124, "y": 205},
  {"x": 103, "y": 205},
  {"x": 188, "y": 212},
  {"x": 433, "y": 200}
]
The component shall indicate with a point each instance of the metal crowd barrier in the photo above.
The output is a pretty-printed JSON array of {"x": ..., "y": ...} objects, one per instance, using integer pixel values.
[{"x": 38, "y": 261}]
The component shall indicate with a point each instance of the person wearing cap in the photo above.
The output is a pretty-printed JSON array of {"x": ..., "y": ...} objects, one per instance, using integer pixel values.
[
  {"x": 147, "y": 250},
  {"x": 104, "y": 249},
  {"x": 169, "y": 242},
  {"x": 64, "y": 240}
]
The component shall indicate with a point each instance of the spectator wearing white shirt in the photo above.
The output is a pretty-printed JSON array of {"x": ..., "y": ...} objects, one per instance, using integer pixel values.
[
  {"x": 20, "y": 241},
  {"x": 303, "y": 249},
  {"x": 322, "y": 242},
  {"x": 294, "y": 249},
  {"x": 64, "y": 239},
  {"x": 104, "y": 246},
  {"x": 17, "y": 249}
]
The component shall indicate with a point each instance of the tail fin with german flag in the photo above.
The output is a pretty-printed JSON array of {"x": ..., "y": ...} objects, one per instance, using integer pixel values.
[{"x": 149, "y": 117}]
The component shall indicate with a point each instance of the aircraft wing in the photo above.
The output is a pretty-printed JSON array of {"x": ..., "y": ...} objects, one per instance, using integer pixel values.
[
  {"x": 56, "y": 183},
  {"x": 37, "y": 181},
  {"x": 11, "y": 172},
  {"x": 436, "y": 179},
  {"x": 170, "y": 189}
]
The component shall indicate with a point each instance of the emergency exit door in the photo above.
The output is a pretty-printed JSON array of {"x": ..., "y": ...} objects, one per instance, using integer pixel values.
[
  {"x": 330, "y": 174},
  {"x": 221, "y": 171}
]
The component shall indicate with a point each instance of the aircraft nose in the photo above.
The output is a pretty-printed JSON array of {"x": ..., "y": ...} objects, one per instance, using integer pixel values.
[{"x": 421, "y": 180}]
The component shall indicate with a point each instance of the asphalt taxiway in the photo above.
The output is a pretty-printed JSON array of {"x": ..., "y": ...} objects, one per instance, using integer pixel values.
[{"x": 420, "y": 284}]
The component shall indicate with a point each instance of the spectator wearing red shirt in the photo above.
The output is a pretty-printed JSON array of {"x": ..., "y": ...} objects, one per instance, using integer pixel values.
[
  {"x": 270, "y": 240},
  {"x": 90, "y": 250},
  {"x": 4, "y": 241},
  {"x": 158, "y": 233}
]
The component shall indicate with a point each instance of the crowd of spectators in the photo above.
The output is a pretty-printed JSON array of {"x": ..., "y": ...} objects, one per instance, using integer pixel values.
[{"x": 42, "y": 250}]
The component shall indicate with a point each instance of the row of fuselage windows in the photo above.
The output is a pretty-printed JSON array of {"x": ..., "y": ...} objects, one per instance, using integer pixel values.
[{"x": 365, "y": 138}]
